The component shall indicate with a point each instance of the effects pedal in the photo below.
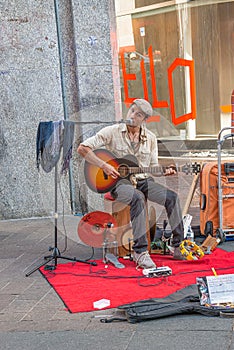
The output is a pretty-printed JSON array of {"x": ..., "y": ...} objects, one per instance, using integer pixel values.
[
  {"x": 158, "y": 271},
  {"x": 109, "y": 257}
]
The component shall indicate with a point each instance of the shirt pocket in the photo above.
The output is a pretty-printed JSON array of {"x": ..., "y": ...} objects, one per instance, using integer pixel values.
[{"x": 121, "y": 151}]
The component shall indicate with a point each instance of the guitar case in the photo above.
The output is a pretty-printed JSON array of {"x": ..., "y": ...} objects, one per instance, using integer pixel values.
[
  {"x": 184, "y": 301},
  {"x": 209, "y": 211}
]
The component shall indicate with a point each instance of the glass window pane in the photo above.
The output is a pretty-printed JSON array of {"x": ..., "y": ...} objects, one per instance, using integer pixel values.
[{"x": 179, "y": 57}]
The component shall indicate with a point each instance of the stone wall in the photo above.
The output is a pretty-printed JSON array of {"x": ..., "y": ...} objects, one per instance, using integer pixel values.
[{"x": 31, "y": 91}]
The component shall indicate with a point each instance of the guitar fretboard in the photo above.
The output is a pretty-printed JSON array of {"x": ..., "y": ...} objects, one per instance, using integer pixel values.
[
  {"x": 160, "y": 170},
  {"x": 152, "y": 170}
]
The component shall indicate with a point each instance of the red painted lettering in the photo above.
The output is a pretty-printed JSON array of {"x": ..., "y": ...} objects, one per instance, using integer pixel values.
[
  {"x": 192, "y": 115},
  {"x": 126, "y": 76},
  {"x": 155, "y": 102}
]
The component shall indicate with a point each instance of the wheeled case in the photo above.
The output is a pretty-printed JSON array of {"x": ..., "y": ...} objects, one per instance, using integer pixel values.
[{"x": 217, "y": 193}]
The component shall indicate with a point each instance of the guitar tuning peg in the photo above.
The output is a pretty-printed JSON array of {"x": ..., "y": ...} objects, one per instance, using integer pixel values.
[
  {"x": 196, "y": 168},
  {"x": 186, "y": 169}
]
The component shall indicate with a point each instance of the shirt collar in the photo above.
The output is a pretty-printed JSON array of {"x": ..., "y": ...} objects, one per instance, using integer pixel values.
[
  {"x": 123, "y": 127},
  {"x": 143, "y": 134}
]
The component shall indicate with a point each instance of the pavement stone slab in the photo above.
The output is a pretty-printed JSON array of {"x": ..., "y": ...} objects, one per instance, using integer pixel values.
[{"x": 32, "y": 316}]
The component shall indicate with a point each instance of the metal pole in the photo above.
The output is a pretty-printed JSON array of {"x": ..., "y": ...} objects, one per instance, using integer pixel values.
[
  {"x": 60, "y": 59},
  {"x": 55, "y": 215},
  {"x": 65, "y": 112},
  {"x": 220, "y": 191},
  {"x": 221, "y": 139}
]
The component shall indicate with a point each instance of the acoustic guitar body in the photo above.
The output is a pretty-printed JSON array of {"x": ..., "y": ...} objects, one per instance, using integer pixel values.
[{"x": 95, "y": 177}]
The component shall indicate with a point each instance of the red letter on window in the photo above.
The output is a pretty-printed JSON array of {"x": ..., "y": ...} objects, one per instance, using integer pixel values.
[
  {"x": 126, "y": 77},
  {"x": 192, "y": 115}
]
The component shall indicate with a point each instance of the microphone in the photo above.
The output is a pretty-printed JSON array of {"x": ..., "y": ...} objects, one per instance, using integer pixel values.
[{"x": 128, "y": 122}]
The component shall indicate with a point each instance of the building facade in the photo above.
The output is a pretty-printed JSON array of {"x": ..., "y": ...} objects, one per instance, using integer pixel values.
[{"x": 85, "y": 62}]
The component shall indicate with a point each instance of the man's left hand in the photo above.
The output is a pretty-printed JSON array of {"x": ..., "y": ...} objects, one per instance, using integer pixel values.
[{"x": 170, "y": 170}]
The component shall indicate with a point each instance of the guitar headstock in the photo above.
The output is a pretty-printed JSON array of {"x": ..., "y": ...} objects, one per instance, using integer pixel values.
[{"x": 192, "y": 168}]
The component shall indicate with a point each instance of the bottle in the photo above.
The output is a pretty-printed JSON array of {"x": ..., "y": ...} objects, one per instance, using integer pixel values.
[{"x": 190, "y": 234}]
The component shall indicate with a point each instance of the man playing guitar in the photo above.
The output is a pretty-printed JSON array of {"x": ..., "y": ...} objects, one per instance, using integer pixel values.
[{"x": 133, "y": 138}]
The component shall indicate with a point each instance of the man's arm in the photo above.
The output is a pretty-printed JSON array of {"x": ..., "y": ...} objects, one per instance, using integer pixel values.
[{"x": 87, "y": 153}]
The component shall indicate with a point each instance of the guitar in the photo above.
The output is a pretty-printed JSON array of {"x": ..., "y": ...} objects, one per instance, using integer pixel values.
[{"x": 99, "y": 182}]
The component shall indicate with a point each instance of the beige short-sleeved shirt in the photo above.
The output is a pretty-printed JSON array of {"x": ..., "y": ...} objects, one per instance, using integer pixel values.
[{"x": 115, "y": 139}]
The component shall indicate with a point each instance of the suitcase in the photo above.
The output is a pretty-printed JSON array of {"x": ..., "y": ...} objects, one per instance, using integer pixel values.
[{"x": 209, "y": 198}]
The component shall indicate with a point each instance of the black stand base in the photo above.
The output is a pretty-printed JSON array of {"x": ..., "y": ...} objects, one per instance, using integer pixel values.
[
  {"x": 54, "y": 258},
  {"x": 55, "y": 255}
]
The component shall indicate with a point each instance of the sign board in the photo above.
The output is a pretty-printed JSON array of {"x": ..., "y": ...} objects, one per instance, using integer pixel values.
[
  {"x": 216, "y": 289},
  {"x": 142, "y": 31},
  {"x": 221, "y": 289}
]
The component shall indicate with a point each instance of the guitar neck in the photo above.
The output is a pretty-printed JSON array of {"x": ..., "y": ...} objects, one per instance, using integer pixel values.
[
  {"x": 160, "y": 170},
  {"x": 152, "y": 170}
]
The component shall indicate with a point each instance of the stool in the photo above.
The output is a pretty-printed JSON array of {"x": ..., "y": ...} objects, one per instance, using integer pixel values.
[{"x": 121, "y": 213}]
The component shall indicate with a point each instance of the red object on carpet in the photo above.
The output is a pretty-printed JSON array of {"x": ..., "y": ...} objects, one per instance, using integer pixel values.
[{"x": 79, "y": 285}]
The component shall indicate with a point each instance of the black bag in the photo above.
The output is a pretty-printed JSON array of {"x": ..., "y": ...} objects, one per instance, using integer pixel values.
[{"x": 184, "y": 301}]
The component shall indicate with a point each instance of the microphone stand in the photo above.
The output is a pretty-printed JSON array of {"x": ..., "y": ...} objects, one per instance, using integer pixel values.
[
  {"x": 55, "y": 253},
  {"x": 125, "y": 121}
]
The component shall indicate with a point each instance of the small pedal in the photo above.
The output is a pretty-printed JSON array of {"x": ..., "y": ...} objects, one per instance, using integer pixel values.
[
  {"x": 112, "y": 259},
  {"x": 157, "y": 271}
]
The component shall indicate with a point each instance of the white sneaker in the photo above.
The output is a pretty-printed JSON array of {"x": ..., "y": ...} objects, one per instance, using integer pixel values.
[{"x": 143, "y": 260}]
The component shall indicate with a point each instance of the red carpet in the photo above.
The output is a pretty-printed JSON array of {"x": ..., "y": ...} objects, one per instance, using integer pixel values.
[{"x": 79, "y": 285}]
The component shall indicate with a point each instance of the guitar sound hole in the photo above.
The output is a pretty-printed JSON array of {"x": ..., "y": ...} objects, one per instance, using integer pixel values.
[{"x": 123, "y": 170}]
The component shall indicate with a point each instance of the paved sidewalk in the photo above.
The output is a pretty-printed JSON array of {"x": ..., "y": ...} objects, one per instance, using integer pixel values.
[{"x": 33, "y": 316}]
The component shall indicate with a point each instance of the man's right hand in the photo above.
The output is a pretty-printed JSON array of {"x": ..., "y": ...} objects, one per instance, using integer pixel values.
[
  {"x": 110, "y": 170},
  {"x": 90, "y": 157}
]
